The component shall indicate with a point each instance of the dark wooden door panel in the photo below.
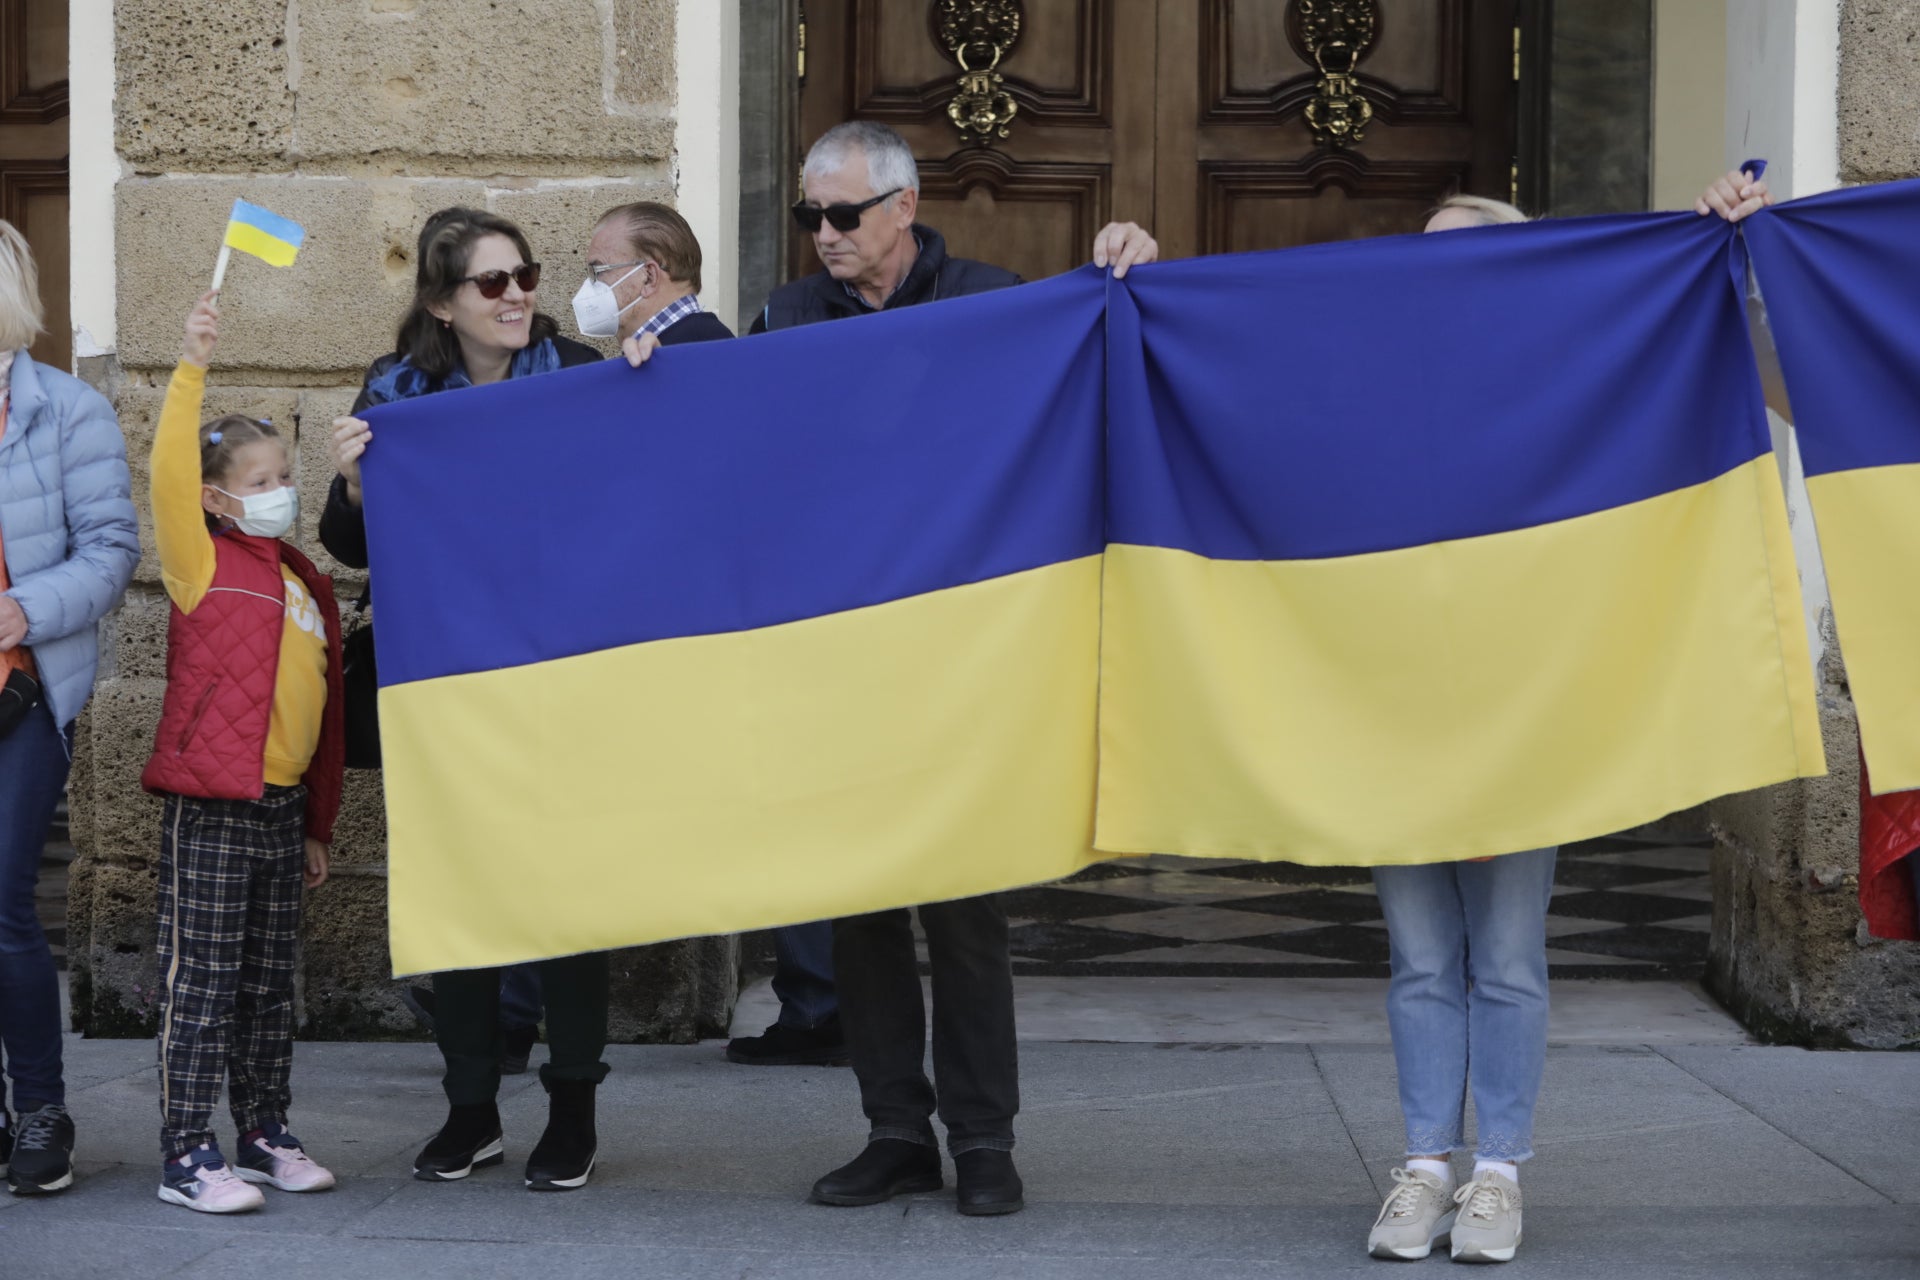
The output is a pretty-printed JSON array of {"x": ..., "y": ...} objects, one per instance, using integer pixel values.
[
  {"x": 33, "y": 156},
  {"x": 1238, "y": 165},
  {"x": 1187, "y": 115},
  {"x": 1079, "y": 151}
]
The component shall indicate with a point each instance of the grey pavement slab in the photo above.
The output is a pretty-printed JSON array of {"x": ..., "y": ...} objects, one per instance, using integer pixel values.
[{"x": 1856, "y": 1109}]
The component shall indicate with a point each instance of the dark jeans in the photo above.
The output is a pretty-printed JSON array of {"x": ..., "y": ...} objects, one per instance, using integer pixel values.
[
  {"x": 467, "y": 1025},
  {"x": 803, "y": 974},
  {"x": 975, "y": 1063},
  {"x": 33, "y": 771},
  {"x": 520, "y": 997}
]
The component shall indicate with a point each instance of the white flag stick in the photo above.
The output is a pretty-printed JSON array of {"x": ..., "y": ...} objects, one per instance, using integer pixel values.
[{"x": 220, "y": 267}]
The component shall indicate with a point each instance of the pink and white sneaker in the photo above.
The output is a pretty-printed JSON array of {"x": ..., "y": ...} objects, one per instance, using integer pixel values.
[
  {"x": 273, "y": 1156},
  {"x": 201, "y": 1181}
]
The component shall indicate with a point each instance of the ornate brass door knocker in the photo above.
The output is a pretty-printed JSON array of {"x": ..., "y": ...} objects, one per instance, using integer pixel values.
[
  {"x": 1338, "y": 33},
  {"x": 977, "y": 35}
]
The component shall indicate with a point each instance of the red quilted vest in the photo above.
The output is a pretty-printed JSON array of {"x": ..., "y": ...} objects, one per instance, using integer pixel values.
[
  {"x": 222, "y": 660},
  {"x": 1889, "y": 834}
]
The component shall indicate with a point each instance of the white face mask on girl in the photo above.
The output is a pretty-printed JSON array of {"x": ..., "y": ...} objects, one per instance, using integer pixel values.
[
  {"x": 595, "y": 310},
  {"x": 267, "y": 515}
]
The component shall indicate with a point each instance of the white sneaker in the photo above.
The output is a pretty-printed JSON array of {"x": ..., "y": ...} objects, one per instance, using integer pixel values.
[
  {"x": 200, "y": 1180},
  {"x": 274, "y": 1156},
  {"x": 1417, "y": 1215},
  {"x": 1488, "y": 1226}
]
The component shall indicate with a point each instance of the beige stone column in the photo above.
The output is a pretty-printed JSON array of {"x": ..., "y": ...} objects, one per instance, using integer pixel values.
[
  {"x": 1791, "y": 955},
  {"x": 357, "y": 119}
]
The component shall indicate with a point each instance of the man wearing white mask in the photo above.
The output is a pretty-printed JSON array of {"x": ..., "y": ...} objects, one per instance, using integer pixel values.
[{"x": 643, "y": 276}]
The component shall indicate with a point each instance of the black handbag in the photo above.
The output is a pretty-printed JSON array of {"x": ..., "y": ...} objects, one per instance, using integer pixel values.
[
  {"x": 20, "y": 695},
  {"x": 360, "y": 685}
]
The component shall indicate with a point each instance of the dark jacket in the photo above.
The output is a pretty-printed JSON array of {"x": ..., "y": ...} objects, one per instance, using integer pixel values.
[
  {"x": 701, "y": 326},
  {"x": 343, "y": 526},
  {"x": 934, "y": 276}
]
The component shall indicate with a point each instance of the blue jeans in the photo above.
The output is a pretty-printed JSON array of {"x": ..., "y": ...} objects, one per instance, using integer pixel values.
[
  {"x": 33, "y": 772},
  {"x": 1468, "y": 998},
  {"x": 803, "y": 974}
]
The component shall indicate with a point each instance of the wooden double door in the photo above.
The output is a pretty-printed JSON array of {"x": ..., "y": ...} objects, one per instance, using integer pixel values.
[
  {"x": 1191, "y": 117},
  {"x": 33, "y": 155}
]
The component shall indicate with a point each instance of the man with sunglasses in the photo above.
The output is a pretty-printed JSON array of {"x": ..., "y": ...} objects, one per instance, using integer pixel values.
[{"x": 862, "y": 191}]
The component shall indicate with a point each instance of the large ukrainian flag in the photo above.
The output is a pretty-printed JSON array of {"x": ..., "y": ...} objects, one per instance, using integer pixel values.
[
  {"x": 1442, "y": 546},
  {"x": 768, "y": 631},
  {"x": 1841, "y": 278}
]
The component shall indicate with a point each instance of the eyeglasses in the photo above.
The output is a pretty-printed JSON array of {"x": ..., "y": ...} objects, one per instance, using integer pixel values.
[
  {"x": 492, "y": 284},
  {"x": 844, "y": 217},
  {"x": 598, "y": 269}
]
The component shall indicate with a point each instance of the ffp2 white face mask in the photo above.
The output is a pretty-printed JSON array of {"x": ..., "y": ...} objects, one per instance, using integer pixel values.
[
  {"x": 596, "y": 312},
  {"x": 266, "y": 515}
]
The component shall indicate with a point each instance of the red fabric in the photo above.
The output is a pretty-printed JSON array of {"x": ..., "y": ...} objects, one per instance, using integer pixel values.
[
  {"x": 1889, "y": 831},
  {"x": 222, "y": 661}
]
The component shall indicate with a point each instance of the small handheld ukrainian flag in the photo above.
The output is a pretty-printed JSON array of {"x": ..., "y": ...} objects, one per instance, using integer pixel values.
[{"x": 261, "y": 232}]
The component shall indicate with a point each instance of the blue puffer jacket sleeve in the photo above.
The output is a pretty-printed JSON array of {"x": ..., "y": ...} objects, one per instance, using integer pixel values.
[{"x": 66, "y": 589}]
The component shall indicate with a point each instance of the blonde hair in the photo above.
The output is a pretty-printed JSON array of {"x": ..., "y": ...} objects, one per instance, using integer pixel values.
[
  {"x": 21, "y": 317},
  {"x": 1489, "y": 212}
]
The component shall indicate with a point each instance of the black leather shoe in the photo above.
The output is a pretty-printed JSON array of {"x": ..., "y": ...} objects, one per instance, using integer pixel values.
[
  {"x": 988, "y": 1183},
  {"x": 563, "y": 1158},
  {"x": 778, "y": 1046},
  {"x": 889, "y": 1167},
  {"x": 469, "y": 1140}
]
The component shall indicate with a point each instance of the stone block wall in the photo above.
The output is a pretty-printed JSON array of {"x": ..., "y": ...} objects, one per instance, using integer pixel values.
[
  {"x": 357, "y": 119},
  {"x": 1790, "y": 953}
]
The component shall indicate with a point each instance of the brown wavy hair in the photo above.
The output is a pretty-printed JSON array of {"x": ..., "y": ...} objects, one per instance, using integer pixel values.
[{"x": 441, "y": 258}]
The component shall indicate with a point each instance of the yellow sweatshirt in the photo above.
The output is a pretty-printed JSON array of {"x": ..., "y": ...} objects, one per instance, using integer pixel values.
[{"x": 186, "y": 569}]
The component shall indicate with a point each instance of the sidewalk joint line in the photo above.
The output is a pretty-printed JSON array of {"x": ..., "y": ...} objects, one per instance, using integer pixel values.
[
  {"x": 1776, "y": 1128},
  {"x": 1313, "y": 1055}
]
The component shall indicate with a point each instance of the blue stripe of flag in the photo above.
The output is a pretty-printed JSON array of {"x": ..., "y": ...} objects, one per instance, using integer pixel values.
[{"x": 271, "y": 223}]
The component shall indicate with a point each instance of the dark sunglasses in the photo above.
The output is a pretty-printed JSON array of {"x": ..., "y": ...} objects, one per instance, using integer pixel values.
[
  {"x": 492, "y": 284},
  {"x": 844, "y": 217}
]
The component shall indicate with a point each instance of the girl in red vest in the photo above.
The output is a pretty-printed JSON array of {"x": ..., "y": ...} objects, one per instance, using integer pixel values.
[{"x": 248, "y": 762}]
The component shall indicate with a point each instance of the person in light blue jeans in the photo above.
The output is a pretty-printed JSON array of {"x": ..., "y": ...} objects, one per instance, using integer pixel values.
[{"x": 1467, "y": 1005}]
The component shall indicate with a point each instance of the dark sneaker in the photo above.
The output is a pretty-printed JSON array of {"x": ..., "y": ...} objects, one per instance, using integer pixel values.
[
  {"x": 275, "y": 1157},
  {"x": 42, "y": 1152},
  {"x": 778, "y": 1046},
  {"x": 201, "y": 1181},
  {"x": 469, "y": 1140},
  {"x": 563, "y": 1158},
  {"x": 516, "y": 1047}
]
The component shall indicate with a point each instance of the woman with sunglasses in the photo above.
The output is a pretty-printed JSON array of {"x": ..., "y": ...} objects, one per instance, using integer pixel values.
[{"x": 474, "y": 321}]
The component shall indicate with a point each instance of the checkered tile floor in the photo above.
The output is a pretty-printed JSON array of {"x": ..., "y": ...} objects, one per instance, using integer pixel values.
[{"x": 1622, "y": 908}]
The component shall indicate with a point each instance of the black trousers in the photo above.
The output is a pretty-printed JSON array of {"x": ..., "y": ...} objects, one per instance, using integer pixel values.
[
  {"x": 466, "y": 1021},
  {"x": 976, "y": 1069}
]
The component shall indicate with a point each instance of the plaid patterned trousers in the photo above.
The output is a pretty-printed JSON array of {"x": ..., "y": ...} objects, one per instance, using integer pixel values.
[{"x": 230, "y": 883}]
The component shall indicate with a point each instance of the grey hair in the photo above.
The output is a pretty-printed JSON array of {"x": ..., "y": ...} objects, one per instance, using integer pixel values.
[
  {"x": 1488, "y": 212},
  {"x": 890, "y": 163}
]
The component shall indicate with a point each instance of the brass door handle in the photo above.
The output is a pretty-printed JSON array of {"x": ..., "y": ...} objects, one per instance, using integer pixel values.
[{"x": 977, "y": 35}]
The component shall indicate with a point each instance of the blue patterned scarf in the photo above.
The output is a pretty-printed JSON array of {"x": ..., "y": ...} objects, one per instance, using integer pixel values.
[{"x": 404, "y": 380}]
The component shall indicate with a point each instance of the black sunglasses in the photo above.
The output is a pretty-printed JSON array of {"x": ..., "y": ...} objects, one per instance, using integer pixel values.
[
  {"x": 492, "y": 284},
  {"x": 844, "y": 217}
]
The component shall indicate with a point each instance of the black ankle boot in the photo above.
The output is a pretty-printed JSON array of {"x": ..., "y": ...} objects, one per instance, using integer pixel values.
[
  {"x": 988, "y": 1183},
  {"x": 563, "y": 1158},
  {"x": 469, "y": 1140},
  {"x": 888, "y": 1167}
]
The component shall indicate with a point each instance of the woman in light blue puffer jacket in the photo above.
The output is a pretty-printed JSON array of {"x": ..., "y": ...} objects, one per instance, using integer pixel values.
[{"x": 68, "y": 546}]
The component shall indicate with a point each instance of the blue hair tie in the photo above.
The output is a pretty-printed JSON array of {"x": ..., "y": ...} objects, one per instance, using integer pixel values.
[{"x": 213, "y": 437}]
